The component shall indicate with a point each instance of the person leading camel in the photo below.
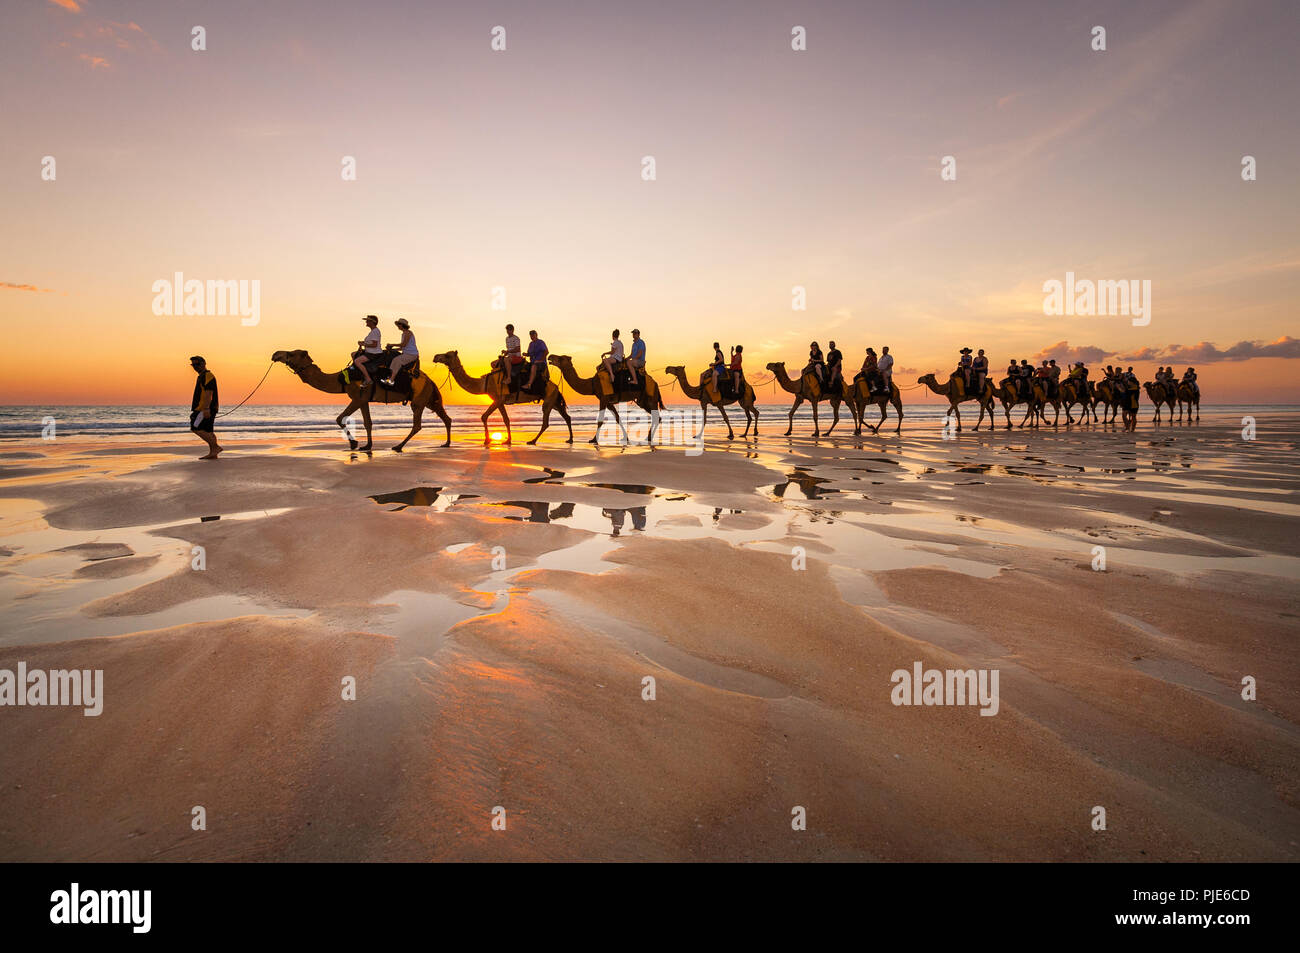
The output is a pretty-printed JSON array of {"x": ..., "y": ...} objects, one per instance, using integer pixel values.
[{"x": 204, "y": 406}]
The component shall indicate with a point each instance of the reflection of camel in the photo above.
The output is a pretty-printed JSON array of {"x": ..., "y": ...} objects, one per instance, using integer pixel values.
[
  {"x": 1160, "y": 394},
  {"x": 1189, "y": 396},
  {"x": 957, "y": 395},
  {"x": 746, "y": 401},
  {"x": 863, "y": 398},
  {"x": 539, "y": 511},
  {"x": 809, "y": 389},
  {"x": 493, "y": 385},
  {"x": 1009, "y": 394},
  {"x": 648, "y": 400},
  {"x": 424, "y": 393},
  {"x": 1074, "y": 391}
]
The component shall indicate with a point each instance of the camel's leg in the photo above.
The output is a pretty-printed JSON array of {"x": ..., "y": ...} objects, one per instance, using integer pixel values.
[
  {"x": 798, "y": 399},
  {"x": 817, "y": 427},
  {"x": 1056, "y": 420},
  {"x": 835, "y": 410},
  {"x": 507, "y": 422},
  {"x": 446, "y": 421},
  {"x": 563, "y": 407},
  {"x": 416, "y": 412},
  {"x": 365, "y": 419},
  {"x": 351, "y": 408},
  {"x": 600, "y": 420},
  {"x": 731, "y": 434},
  {"x": 954, "y": 408},
  {"x": 704, "y": 417},
  {"x": 653, "y": 411},
  {"x": 546, "y": 421},
  {"x": 754, "y": 408}
]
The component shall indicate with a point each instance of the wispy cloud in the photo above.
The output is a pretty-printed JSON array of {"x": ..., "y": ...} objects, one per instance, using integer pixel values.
[
  {"x": 11, "y": 286},
  {"x": 67, "y": 5}
]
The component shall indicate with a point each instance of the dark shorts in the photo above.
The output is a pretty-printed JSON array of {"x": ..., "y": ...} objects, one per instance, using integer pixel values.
[{"x": 204, "y": 424}]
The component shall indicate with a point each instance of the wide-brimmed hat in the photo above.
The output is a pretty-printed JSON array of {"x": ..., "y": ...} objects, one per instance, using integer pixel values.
[
  {"x": 965, "y": 350},
  {"x": 402, "y": 323}
]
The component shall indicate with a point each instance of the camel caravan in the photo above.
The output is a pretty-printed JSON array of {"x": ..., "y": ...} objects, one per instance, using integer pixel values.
[{"x": 392, "y": 373}]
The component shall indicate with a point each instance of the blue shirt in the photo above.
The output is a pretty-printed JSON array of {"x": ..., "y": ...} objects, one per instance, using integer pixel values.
[
  {"x": 638, "y": 350},
  {"x": 536, "y": 350}
]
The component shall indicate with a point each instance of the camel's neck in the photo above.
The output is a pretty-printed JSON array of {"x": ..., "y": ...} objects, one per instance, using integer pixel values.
[
  {"x": 314, "y": 377},
  {"x": 585, "y": 386},
  {"x": 783, "y": 379},
  {"x": 692, "y": 392},
  {"x": 471, "y": 385},
  {"x": 933, "y": 384}
]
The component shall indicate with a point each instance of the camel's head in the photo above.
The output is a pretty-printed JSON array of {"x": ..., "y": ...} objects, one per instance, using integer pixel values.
[
  {"x": 927, "y": 379},
  {"x": 560, "y": 360},
  {"x": 296, "y": 360},
  {"x": 446, "y": 357},
  {"x": 776, "y": 366},
  {"x": 676, "y": 370}
]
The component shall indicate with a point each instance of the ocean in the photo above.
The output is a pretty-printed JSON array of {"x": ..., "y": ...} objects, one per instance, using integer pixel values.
[{"x": 105, "y": 422}]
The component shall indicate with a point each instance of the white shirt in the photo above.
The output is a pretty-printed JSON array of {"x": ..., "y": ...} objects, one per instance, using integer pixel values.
[
  {"x": 616, "y": 350},
  {"x": 885, "y": 364},
  {"x": 410, "y": 347},
  {"x": 372, "y": 342},
  {"x": 512, "y": 344}
]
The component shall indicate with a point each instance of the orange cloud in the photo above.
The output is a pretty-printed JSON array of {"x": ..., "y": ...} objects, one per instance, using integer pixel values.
[
  {"x": 67, "y": 5},
  {"x": 15, "y": 287}
]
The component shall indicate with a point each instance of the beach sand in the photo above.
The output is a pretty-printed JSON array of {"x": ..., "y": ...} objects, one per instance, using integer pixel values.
[{"x": 499, "y": 610}]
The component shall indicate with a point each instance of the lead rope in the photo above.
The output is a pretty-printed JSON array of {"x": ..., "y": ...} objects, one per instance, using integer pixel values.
[{"x": 249, "y": 397}]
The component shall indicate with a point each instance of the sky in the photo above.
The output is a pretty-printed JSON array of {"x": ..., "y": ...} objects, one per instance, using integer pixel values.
[{"x": 522, "y": 169}]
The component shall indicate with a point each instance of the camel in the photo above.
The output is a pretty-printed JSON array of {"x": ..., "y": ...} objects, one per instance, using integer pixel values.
[
  {"x": 648, "y": 399},
  {"x": 807, "y": 389},
  {"x": 951, "y": 391},
  {"x": 1075, "y": 391},
  {"x": 1159, "y": 394},
  {"x": 747, "y": 401},
  {"x": 425, "y": 394},
  {"x": 1009, "y": 395},
  {"x": 1047, "y": 398},
  {"x": 863, "y": 398},
  {"x": 1104, "y": 392},
  {"x": 493, "y": 384},
  {"x": 1188, "y": 395}
]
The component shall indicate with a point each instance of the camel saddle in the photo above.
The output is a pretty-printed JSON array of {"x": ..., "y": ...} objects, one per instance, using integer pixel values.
[
  {"x": 622, "y": 382},
  {"x": 513, "y": 385},
  {"x": 872, "y": 385},
  {"x": 726, "y": 388}
]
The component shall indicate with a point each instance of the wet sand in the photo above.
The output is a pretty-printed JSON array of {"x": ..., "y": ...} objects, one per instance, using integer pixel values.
[{"x": 500, "y": 609}]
